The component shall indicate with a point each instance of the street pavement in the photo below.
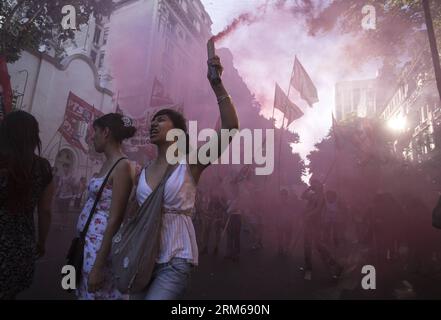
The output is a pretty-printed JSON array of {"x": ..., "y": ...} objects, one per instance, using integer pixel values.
[{"x": 259, "y": 274}]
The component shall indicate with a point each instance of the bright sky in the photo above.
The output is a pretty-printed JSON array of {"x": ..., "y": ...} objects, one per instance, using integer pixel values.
[{"x": 264, "y": 54}]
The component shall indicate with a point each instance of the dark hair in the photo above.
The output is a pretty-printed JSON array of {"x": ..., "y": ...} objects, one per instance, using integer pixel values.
[
  {"x": 120, "y": 126},
  {"x": 19, "y": 138},
  {"x": 176, "y": 117},
  {"x": 178, "y": 120}
]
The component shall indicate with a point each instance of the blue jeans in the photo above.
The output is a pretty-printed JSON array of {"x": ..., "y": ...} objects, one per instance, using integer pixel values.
[{"x": 169, "y": 281}]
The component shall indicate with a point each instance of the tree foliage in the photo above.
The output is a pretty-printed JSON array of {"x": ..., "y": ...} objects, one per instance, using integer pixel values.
[
  {"x": 28, "y": 24},
  {"x": 358, "y": 172},
  {"x": 399, "y": 26}
]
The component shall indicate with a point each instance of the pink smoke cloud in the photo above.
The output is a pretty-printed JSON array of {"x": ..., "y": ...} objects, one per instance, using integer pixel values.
[
  {"x": 246, "y": 18},
  {"x": 264, "y": 53}
]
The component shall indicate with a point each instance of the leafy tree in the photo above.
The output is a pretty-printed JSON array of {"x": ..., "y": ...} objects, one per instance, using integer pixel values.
[
  {"x": 357, "y": 173},
  {"x": 28, "y": 24},
  {"x": 398, "y": 31}
]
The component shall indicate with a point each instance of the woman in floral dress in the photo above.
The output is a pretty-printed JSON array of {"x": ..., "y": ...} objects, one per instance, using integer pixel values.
[{"x": 96, "y": 278}]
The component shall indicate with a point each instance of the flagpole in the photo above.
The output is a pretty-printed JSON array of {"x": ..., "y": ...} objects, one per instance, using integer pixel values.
[
  {"x": 274, "y": 126},
  {"x": 283, "y": 122},
  {"x": 272, "y": 118},
  {"x": 59, "y": 146},
  {"x": 58, "y": 130},
  {"x": 292, "y": 73},
  {"x": 117, "y": 101},
  {"x": 50, "y": 141}
]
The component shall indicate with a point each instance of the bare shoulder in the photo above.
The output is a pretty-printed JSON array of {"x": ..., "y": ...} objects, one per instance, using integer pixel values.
[{"x": 125, "y": 167}]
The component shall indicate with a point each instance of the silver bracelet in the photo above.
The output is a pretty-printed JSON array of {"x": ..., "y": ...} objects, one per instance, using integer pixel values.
[{"x": 222, "y": 98}]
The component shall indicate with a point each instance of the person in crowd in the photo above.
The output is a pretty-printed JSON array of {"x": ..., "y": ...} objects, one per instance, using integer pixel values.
[
  {"x": 215, "y": 219},
  {"x": 234, "y": 225},
  {"x": 81, "y": 188},
  {"x": 25, "y": 185},
  {"x": 387, "y": 212},
  {"x": 315, "y": 198},
  {"x": 330, "y": 216},
  {"x": 65, "y": 190},
  {"x": 2, "y": 104},
  {"x": 284, "y": 223},
  {"x": 178, "y": 252},
  {"x": 417, "y": 233},
  {"x": 97, "y": 281},
  {"x": 219, "y": 210},
  {"x": 197, "y": 217}
]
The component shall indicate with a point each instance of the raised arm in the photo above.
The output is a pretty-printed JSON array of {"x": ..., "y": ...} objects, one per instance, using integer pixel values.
[{"x": 228, "y": 115}]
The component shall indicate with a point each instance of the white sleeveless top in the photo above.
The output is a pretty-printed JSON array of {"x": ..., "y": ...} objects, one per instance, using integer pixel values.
[{"x": 178, "y": 238}]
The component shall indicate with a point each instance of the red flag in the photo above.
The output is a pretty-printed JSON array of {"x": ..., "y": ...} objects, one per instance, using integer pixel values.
[
  {"x": 303, "y": 84},
  {"x": 5, "y": 91},
  {"x": 281, "y": 101},
  {"x": 159, "y": 96},
  {"x": 78, "y": 119}
]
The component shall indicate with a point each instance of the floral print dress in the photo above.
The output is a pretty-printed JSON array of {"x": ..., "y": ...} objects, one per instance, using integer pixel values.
[{"x": 93, "y": 241}]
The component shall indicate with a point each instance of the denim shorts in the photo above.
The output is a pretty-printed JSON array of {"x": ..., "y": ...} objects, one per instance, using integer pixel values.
[{"x": 169, "y": 281}]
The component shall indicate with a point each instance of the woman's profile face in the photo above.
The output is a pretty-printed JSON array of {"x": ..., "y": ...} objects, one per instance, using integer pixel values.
[
  {"x": 99, "y": 139},
  {"x": 159, "y": 126}
]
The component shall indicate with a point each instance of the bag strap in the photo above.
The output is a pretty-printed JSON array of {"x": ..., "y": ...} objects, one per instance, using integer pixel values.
[
  {"x": 167, "y": 174},
  {"x": 97, "y": 199}
]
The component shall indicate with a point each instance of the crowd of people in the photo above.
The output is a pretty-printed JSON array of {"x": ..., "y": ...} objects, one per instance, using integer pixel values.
[
  {"x": 390, "y": 231},
  {"x": 386, "y": 227},
  {"x": 27, "y": 183},
  {"x": 70, "y": 193}
]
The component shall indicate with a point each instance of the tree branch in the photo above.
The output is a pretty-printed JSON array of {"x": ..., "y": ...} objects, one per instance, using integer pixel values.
[
  {"x": 25, "y": 26},
  {"x": 11, "y": 15}
]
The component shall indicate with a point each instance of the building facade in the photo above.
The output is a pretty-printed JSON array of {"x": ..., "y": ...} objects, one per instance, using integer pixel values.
[
  {"x": 415, "y": 106},
  {"x": 42, "y": 85},
  {"x": 164, "y": 59},
  {"x": 91, "y": 40},
  {"x": 355, "y": 98}
]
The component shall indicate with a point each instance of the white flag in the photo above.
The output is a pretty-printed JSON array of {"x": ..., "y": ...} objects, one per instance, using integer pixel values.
[
  {"x": 290, "y": 109},
  {"x": 303, "y": 84}
]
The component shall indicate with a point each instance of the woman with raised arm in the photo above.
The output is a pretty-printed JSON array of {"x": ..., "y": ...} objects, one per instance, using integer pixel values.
[{"x": 178, "y": 251}]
